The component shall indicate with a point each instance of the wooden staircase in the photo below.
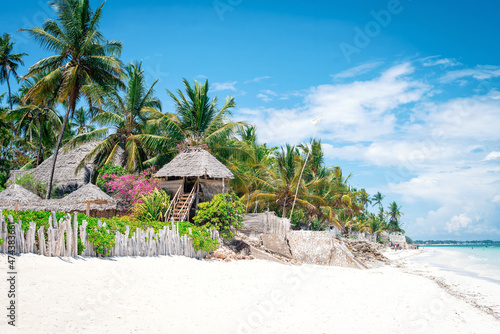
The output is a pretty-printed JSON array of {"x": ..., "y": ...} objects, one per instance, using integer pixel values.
[{"x": 182, "y": 207}]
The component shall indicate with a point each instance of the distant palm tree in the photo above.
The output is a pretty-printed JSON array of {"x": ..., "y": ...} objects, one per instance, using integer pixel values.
[
  {"x": 83, "y": 57},
  {"x": 9, "y": 62},
  {"x": 278, "y": 182},
  {"x": 394, "y": 215},
  {"x": 82, "y": 121},
  {"x": 127, "y": 115},
  {"x": 377, "y": 199},
  {"x": 364, "y": 198}
]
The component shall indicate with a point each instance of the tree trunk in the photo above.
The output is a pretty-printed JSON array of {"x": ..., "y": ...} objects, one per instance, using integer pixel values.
[
  {"x": 58, "y": 145},
  {"x": 10, "y": 97},
  {"x": 39, "y": 152}
]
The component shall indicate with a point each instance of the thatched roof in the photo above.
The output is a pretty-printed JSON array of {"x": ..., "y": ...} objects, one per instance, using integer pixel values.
[
  {"x": 64, "y": 175},
  {"x": 195, "y": 162},
  {"x": 18, "y": 194},
  {"x": 88, "y": 192}
]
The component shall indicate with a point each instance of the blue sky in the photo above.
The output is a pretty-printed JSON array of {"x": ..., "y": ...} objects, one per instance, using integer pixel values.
[{"x": 408, "y": 90}]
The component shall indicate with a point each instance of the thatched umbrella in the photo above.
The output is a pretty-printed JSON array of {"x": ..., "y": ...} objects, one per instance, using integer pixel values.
[
  {"x": 89, "y": 193},
  {"x": 195, "y": 162},
  {"x": 17, "y": 194}
]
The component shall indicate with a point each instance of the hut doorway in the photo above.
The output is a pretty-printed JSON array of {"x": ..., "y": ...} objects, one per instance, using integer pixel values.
[{"x": 189, "y": 184}]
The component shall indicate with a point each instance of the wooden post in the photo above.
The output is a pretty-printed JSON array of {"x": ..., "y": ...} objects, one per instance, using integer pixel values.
[
  {"x": 197, "y": 192},
  {"x": 223, "y": 185},
  {"x": 16, "y": 207},
  {"x": 88, "y": 208}
]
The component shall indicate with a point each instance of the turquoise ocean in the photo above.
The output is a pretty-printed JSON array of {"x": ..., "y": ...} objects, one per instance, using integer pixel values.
[{"x": 477, "y": 261}]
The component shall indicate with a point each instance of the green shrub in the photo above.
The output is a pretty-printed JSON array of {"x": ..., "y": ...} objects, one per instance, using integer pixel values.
[
  {"x": 152, "y": 206},
  {"x": 3, "y": 180},
  {"x": 29, "y": 182},
  {"x": 224, "y": 213},
  {"x": 105, "y": 173},
  {"x": 104, "y": 237}
]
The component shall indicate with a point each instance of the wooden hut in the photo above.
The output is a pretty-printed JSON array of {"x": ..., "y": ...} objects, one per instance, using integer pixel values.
[{"x": 194, "y": 175}]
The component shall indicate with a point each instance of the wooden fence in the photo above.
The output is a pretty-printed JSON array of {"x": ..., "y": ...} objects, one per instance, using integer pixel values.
[
  {"x": 61, "y": 239},
  {"x": 255, "y": 224}
]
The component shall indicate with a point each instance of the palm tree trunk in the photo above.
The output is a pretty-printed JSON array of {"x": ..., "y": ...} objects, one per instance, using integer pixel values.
[
  {"x": 10, "y": 97},
  {"x": 39, "y": 151},
  {"x": 58, "y": 145}
]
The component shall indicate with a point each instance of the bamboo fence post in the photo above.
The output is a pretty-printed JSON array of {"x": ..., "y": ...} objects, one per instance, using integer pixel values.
[
  {"x": 75, "y": 234},
  {"x": 69, "y": 236},
  {"x": 41, "y": 241},
  {"x": 59, "y": 241}
]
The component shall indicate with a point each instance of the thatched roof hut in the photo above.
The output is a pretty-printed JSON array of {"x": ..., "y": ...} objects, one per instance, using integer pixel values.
[
  {"x": 195, "y": 162},
  {"x": 18, "y": 194},
  {"x": 89, "y": 192},
  {"x": 65, "y": 178},
  {"x": 88, "y": 199},
  {"x": 194, "y": 175}
]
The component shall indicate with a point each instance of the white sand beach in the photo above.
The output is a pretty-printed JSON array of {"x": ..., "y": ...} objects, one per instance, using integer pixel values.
[{"x": 184, "y": 295}]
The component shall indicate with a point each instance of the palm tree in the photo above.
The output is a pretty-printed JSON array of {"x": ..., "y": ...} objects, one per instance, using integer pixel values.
[
  {"x": 9, "y": 62},
  {"x": 37, "y": 122},
  {"x": 280, "y": 179},
  {"x": 197, "y": 119},
  {"x": 377, "y": 199},
  {"x": 127, "y": 115},
  {"x": 83, "y": 57},
  {"x": 82, "y": 121},
  {"x": 394, "y": 214},
  {"x": 375, "y": 225},
  {"x": 364, "y": 198}
]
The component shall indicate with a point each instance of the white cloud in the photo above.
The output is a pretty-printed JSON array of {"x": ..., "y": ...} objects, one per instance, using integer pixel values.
[
  {"x": 257, "y": 79},
  {"x": 358, "y": 70},
  {"x": 492, "y": 156},
  {"x": 480, "y": 72},
  {"x": 269, "y": 92},
  {"x": 426, "y": 153},
  {"x": 219, "y": 86},
  {"x": 436, "y": 61},
  {"x": 458, "y": 223},
  {"x": 264, "y": 97}
]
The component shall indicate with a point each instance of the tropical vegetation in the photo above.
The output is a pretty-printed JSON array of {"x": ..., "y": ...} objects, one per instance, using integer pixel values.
[{"x": 83, "y": 92}]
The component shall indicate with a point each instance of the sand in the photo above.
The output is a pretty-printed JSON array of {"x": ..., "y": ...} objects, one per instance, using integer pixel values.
[{"x": 183, "y": 295}]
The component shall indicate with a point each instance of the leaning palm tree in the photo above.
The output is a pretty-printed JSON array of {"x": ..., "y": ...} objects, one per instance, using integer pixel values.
[
  {"x": 9, "y": 62},
  {"x": 126, "y": 114},
  {"x": 83, "y": 57}
]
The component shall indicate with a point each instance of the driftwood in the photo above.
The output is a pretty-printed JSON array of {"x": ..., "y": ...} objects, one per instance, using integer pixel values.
[{"x": 61, "y": 239}]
